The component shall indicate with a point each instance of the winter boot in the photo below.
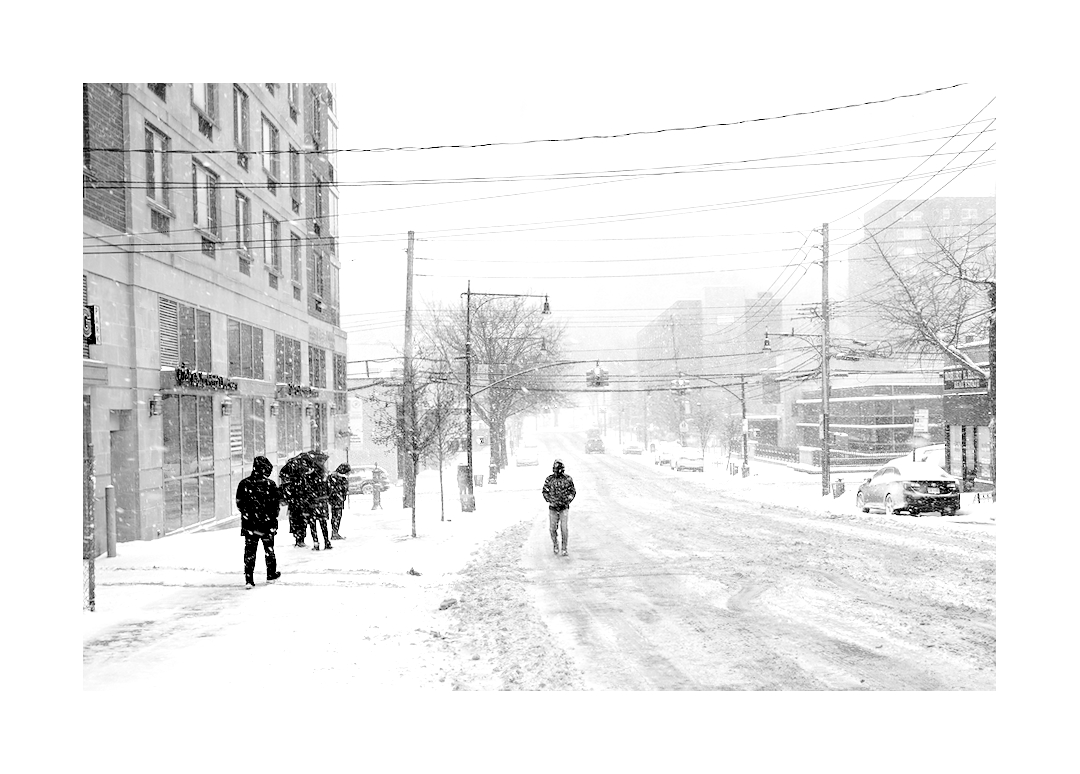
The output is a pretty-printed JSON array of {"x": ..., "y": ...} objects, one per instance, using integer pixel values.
[
  {"x": 249, "y": 582},
  {"x": 564, "y": 552},
  {"x": 326, "y": 545},
  {"x": 273, "y": 577},
  {"x": 316, "y": 547},
  {"x": 555, "y": 548}
]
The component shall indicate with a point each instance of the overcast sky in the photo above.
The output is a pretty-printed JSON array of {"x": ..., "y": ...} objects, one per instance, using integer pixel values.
[{"x": 539, "y": 79}]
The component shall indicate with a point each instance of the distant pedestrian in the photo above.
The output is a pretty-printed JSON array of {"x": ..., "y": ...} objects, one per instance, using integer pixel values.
[
  {"x": 559, "y": 492},
  {"x": 258, "y": 500},
  {"x": 291, "y": 477},
  {"x": 339, "y": 492},
  {"x": 316, "y": 499}
]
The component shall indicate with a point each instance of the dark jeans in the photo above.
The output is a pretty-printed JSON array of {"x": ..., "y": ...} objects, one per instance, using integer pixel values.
[
  {"x": 251, "y": 545},
  {"x": 559, "y": 518},
  {"x": 315, "y": 535},
  {"x": 296, "y": 522},
  {"x": 335, "y": 517}
]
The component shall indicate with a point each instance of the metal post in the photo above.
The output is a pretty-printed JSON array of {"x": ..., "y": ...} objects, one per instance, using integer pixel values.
[
  {"x": 825, "y": 467},
  {"x": 470, "y": 498},
  {"x": 110, "y": 521},
  {"x": 408, "y": 391},
  {"x": 745, "y": 428}
]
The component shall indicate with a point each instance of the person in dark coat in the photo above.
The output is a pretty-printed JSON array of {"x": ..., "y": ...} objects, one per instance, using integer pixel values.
[
  {"x": 559, "y": 492},
  {"x": 259, "y": 500},
  {"x": 291, "y": 477},
  {"x": 338, "y": 482},
  {"x": 316, "y": 499}
]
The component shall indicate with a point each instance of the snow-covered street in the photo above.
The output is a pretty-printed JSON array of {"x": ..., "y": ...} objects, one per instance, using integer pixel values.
[{"x": 674, "y": 580}]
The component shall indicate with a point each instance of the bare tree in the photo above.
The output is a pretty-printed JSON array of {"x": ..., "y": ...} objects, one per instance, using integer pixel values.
[
  {"x": 437, "y": 421},
  {"x": 707, "y": 416},
  {"x": 509, "y": 339},
  {"x": 939, "y": 297}
]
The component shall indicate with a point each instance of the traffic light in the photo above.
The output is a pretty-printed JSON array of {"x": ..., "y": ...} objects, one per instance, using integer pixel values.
[{"x": 596, "y": 377}]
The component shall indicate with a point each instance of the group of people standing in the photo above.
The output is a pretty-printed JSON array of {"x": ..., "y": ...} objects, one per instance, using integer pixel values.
[{"x": 312, "y": 496}]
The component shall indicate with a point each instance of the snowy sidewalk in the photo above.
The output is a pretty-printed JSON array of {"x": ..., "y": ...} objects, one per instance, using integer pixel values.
[{"x": 350, "y": 610}]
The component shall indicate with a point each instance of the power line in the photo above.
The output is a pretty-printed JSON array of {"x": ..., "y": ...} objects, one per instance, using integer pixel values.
[{"x": 619, "y": 135}]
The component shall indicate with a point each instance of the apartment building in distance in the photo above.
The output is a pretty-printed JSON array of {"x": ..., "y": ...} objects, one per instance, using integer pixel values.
[{"x": 210, "y": 291}]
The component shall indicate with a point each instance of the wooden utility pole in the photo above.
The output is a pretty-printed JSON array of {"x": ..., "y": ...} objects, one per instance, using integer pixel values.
[
  {"x": 825, "y": 471},
  {"x": 745, "y": 431},
  {"x": 408, "y": 391},
  {"x": 469, "y": 502}
]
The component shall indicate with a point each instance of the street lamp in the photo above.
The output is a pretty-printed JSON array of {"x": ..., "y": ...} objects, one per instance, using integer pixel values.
[{"x": 469, "y": 502}]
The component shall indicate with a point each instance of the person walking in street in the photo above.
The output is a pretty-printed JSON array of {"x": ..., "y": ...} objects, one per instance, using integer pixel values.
[
  {"x": 291, "y": 477},
  {"x": 338, "y": 482},
  {"x": 559, "y": 492},
  {"x": 316, "y": 498},
  {"x": 258, "y": 499}
]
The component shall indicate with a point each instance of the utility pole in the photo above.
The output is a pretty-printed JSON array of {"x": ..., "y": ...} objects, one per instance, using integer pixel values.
[
  {"x": 991, "y": 386},
  {"x": 408, "y": 393},
  {"x": 745, "y": 430},
  {"x": 470, "y": 497},
  {"x": 825, "y": 471},
  {"x": 645, "y": 414}
]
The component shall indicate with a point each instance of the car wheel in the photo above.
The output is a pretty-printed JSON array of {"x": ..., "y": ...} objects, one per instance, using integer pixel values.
[
  {"x": 861, "y": 504},
  {"x": 889, "y": 511},
  {"x": 365, "y": 489}
]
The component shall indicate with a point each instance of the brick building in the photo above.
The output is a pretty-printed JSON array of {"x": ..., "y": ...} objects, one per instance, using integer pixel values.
[{"x": 210, "y": 292}]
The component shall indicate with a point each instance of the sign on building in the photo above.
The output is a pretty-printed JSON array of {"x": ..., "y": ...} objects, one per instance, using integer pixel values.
[{"x": 957, "y": 379}]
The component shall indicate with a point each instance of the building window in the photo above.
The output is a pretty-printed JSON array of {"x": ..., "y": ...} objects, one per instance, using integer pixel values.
[
  {"x": 157, "y": 167},
  {"x": 945, "y": 214},
  {"x": 272, "y": 242},
  {"x": 295, "y": 182},
  {"x": 187, "y": 460},
  {"x": 86, "y": 126},
  {"x": 184, "y": 335},
  {"x": 294, "y": 101},
  {"x": 317, "y": 366},
  {"x": 320, "y": 204},
  {"x": 294, "y": 255},
  {"x": 316, "y": 275},
  {"x": 270, "y": 88},
  {"x": 289, "y": 424},
  {"x": 316, "y": 119},
  {"x": 243, "y": 228},
  {"x": 287, "y": 352},
  {"x": 204, "y": 184},
  {"x": 159, "y": 90},
  {"x": 969, "y": 214},
  {"x": 340, "y": 376},
  {"x": 270, "y": 149},
  {"x": 245, "y": 350},
  {"x": 240, "y": 125},
  {"x": 319, "y": 427},
  {"x": 204, "y": 98},
  {"x": 332, "y": 225}
]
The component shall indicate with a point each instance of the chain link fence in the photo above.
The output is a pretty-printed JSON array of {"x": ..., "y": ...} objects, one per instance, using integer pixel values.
[{"x": 89, "y": 541}]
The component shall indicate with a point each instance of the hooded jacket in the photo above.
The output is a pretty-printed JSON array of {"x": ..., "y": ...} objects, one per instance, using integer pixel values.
[
  {"x": 559, "y": 488},
  {"x": 338, "y": 483},
  {"x": 258, "y": 500}
]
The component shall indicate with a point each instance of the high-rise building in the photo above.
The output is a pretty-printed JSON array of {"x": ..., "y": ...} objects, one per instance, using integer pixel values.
[{"x": 210, "y": 288}]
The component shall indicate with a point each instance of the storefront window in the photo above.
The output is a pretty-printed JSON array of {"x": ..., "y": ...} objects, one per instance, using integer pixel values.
[
  {"x": 956, "y": 453},
  {"x": 288, "y": 428},
  {"x": 982, "y": 452},
  {"x": 188, "y": 460}
]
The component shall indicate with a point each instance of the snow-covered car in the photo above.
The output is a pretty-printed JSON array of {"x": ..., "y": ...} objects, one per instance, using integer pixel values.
[
  {"x": 689, "y": 460},
  {"x": 594, "y": 446},
  {"x": 527, "y": 455},
  {"x": 915, "y": 487},
  {"x": 664, "y": 457},
  {"x": 934, "y": 453},
  {"x": 632, "y": 448},
  {"x": 364, "y": 478}
]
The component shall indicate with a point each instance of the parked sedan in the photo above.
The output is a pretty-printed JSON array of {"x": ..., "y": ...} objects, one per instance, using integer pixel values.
[
  {"x": 690, "y": 461},
  {"x": 632, "y": 448},
  {"x": 364, "y": 478},
  {"x": 914, "y": 487},
  {"x": 664, "y": 457}
]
